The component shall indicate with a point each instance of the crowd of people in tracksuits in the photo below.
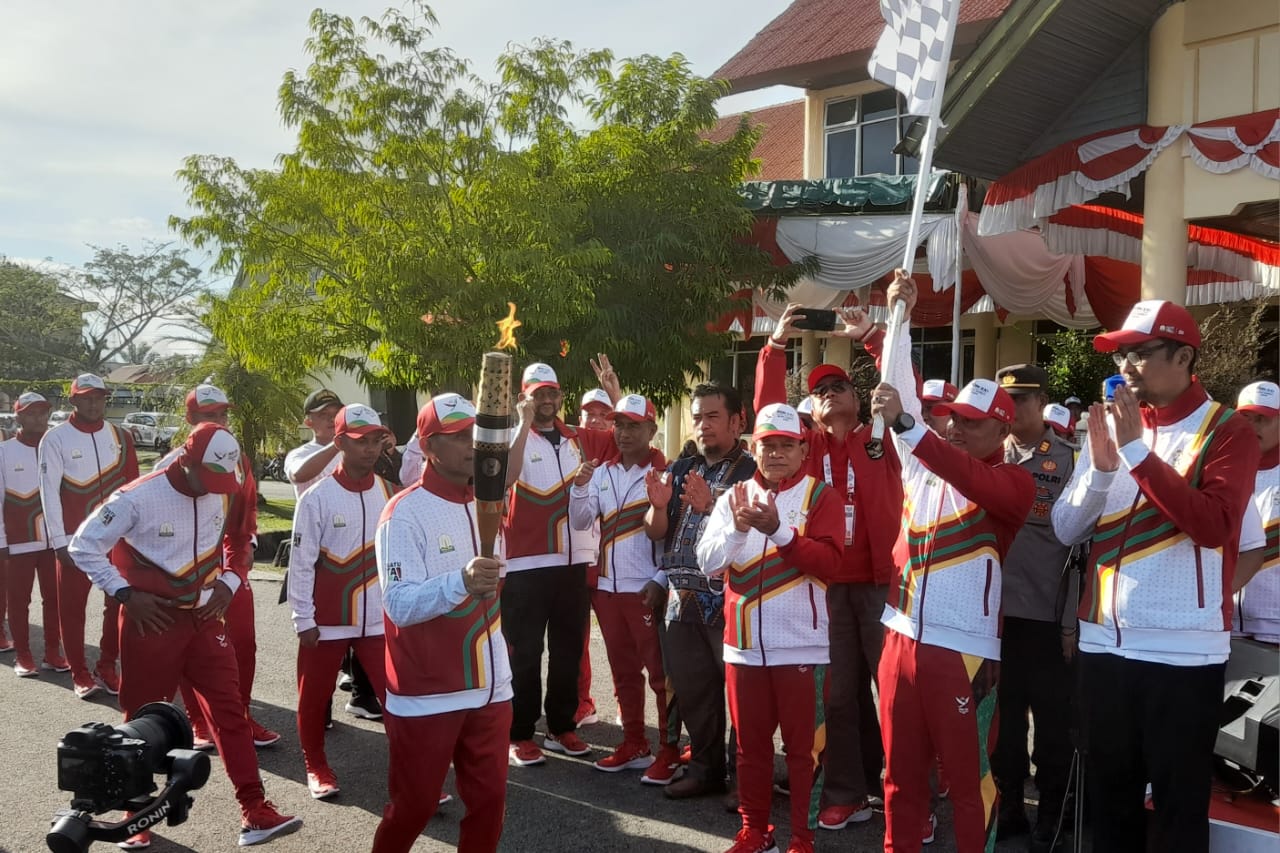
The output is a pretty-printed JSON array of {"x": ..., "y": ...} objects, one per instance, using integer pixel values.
[{"x": 896, "y": 608}]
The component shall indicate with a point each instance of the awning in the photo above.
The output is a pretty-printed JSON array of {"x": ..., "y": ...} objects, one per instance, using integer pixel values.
[{"x": 1079, "y": 171}]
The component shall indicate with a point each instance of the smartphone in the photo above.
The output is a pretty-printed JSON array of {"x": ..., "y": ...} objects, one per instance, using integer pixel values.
[{"x": 815, "y": 319}]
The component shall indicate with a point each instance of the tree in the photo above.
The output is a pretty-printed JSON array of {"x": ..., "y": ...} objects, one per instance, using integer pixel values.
[
  {"x": 1236, "y": 336},
  {"x": 419, "y": 201},
  {"x": 39, "y": 324},
  {"x": 1076, "y": 368},
  {"x": 132, "y": 293}
]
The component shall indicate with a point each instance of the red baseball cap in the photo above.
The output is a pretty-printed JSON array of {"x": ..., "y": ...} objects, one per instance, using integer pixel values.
[
  {"x": 1150, "y": 320},
  {"x": 88, "y": 383},
  {"x": 30, "y": 399},
  {"x": 981, "y": 398},
  {"x": 826, "y": 371},
  {"x": 358, "y": 420},
  {"x": 1259, "y": 398},
  {"x": 206, "y": 398},
  {"x": 214, "y": 454},
  {"x": 938, "y": 391},
  {"x": 445, "y": 414},
  {"x": 633, "y": 407},
  {"x": 538, "y": 375}
]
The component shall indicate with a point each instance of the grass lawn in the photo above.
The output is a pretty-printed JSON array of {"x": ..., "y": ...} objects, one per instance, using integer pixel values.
[{"x": 275, "y": 515}]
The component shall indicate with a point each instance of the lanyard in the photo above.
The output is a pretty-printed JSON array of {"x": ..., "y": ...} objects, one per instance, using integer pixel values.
[{"x": 826, "y": 475}]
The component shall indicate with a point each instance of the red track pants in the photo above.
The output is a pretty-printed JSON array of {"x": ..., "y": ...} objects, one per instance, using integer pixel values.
[
  {"x": 763, "y": 699},
  {"x": 240, "y": 630},
  {"x": 21, "y": 573},
  {"x": 73, "y": 597},
  {"x": 420, "y": 750},
  {"x": 152, "y": 665},
  {"x": 317, "y": 669},
  {"x": 630, "y": 632},
  {"x": 937, "y": 705}
]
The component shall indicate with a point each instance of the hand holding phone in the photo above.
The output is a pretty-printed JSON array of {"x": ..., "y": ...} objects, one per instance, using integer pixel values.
[{"x": 814, "y": 319}]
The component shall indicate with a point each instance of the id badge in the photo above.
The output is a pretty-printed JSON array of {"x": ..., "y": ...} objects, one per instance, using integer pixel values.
[{"x": 849, "y": 515}]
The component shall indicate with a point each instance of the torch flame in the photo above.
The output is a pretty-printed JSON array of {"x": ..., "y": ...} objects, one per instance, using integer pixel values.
[{"x": 507, "y": 328}]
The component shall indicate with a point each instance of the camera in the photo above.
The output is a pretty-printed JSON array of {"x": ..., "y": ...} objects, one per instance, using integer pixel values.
[{"x": 114, "y": 767}]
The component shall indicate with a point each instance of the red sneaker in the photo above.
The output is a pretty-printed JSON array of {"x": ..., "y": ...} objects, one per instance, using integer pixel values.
[
  {"x": 202, "y": 738},
  {"x": 838, "y": 817},
  {"x": 6, "y": 645},
  {"x": 57, "y": 664},
  {"x": 750, "y": 840},
  {"x": 586, "y": 714},
  {"x": 525, "y": 753},
  {"x": 322, "y": 783},
  {"x": 664, "y": 767},
  {"x": 798, "y": 845},
  {"x": 568, "y": 743},
  {"x": 444, "y": 798},
  {"x": 25, "y": 666},
  {"x": 629, "y": 756},
  {"x": 86, "y": 688},
  {"x": 264, "y": 822},
  {"x": 109, "y": 678},
  {"x": 930, "y": 830},
  {"x": 141, "y": 841},
  {"x": 262, "y": 736}
]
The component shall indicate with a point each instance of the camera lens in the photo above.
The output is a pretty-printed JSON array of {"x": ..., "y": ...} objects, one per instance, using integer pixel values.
[{"x": 161, "y": 727}]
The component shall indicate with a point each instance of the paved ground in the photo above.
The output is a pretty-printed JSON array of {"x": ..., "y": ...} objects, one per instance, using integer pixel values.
[{"x": 562, "y": 806}]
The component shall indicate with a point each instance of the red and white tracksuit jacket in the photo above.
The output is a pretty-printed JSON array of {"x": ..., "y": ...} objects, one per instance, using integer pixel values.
[
  {"x": 617, "y": 498},
  {"x": 536, "y": 524},
  {"x": 171, "y": 540},
  {"x": 1166, "y": 533},
  {"x": 80, "y": 466},
  {"x": 23, "y": 529},
  {"x": 775, "y": 603},
  {"x": 445, "y": 649},
  {"x": 1258, "y": 604},
  {"x": 871, "y": 489},
  {"x": 242, "y": 522},
  {"x": 294, "y": 459},
  {"x": 333, "y": 573}
]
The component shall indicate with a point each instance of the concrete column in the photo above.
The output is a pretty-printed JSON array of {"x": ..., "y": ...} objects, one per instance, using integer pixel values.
[
  {"x": 673, "y": 429},
  {"x": 984, "y": 346},
  {"x": 810, "y": 352},
  {"x": 1164, "y": 234},
  {"x": 839, "y": 352}
]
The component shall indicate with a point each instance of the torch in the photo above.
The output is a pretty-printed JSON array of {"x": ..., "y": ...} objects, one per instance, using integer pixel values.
[{"x": 492, "y": 441}]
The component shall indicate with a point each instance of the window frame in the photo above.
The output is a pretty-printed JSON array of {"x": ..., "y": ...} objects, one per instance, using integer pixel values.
[{"x": 857, "y": 124}]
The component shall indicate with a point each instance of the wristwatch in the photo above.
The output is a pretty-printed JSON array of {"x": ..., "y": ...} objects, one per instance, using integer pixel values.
[
  {"x": 122, "y": 594},
  {"x": 902, "y": 423}
]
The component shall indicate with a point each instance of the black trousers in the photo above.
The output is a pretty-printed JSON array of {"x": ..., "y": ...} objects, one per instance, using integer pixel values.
[
  {"x": 1033, "y": 677},
  {"x": 693, "y": 655},
  {"x": 553, "y": 603},
  {"x": 854, "y": 755},
  {"x": 1149, "y": 722}
]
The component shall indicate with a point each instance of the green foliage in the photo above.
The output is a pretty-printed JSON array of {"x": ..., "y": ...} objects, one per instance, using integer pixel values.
[
  {"x": 417, "y": 191},
  {"x": 39, "y": 325},
  {"x": 1235, "y": 335},
  {"x": 1075, "y": 368}
]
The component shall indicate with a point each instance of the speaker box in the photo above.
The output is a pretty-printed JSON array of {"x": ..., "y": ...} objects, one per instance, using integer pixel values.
[{"x": 1250, "y": 732}]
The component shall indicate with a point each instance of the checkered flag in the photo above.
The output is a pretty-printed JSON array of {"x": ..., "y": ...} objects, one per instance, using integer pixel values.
[{"x": 912, "y": 53}]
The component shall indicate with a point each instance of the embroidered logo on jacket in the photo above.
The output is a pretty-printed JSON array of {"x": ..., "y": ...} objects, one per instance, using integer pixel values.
[
  {"x": 393, "y": 572},
  {"x": 446, "y": 544},
  {"x": 107, "y": 516},
  {"x": 962, "y": 704},
  {"x": 76, "y": 454},
  {"x": 166, "y": 530},
  {"x": 339, "y": 521}
]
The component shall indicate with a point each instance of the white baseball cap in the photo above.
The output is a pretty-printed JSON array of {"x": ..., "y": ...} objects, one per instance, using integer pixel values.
[
  {"x": 633, "y": 407},
  {"x": 214, "y": 453},
  {"x": 538, "y": 375},
  {"x": 595, "y": 395},
  {"x": 1262, "y": 398},
  {"x": 1058, "y": 417},
  {"x": 88, "y": 383},
  {"x": 29, "y": 399},
  {"x": 445, "y": 414},
  {"x": 981, "y": 398},
  {"x": 357, "y": 420},
  {"x": 778, "y": 419},
  {"x": 805, "y": 407}
]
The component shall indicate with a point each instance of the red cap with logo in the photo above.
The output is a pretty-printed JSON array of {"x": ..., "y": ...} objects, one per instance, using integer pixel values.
[
  {"x": 827, "y": 371},
  {"x": 538, "y": 375},
  {"x": 30, "y": 399},
  {"x": 206, "y": 398},
  {"x": 445, "y": 414},
  {"x": 938, "y": 391},
  {"x": 214, "y": 454},
  {"x": 1150, "y": 320},
  {"x": 633, "y": 407},
  {"x": 596, "y": 397},
  {"x": 1259, "y": 398},
  {"x": 981, "y": 398},
  {"x": 88, "y": 383},
  {"x": 778, "y": 419},
  {"x": 357, "y": 420}
]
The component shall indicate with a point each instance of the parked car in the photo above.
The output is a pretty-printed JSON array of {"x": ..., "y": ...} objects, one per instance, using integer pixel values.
[
  {"x": 151, "y": 429},
  {"x": 8, "y": 425},
  {"x": 58, "y": 418}
]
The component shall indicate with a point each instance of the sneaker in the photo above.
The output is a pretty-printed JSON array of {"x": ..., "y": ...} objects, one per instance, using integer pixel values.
[
  {"x": 58, "y": 664},
  {"x": 782, "y": 785},
  {"x": 750, "y": 840},
  {"x": 690, "y": 786},
  {"x": 202, "y": 742},
  {"x": 444, "y": 798},
  {"x": 930, "y": 830},
  {"x": 322, "y": 784},
  {"x": 25, "y": 667},
  {"x": 686, "y": 754},
  {"x": 838, "y": 817},
  {"x": 798, "y": 845},
  {"x": 344, "y": 682},
  {"x": 525, "y": 753},
  {"x": 263, "y": 823},
  {"x": 628, "y": 756},
  {"x": 141, "y": 841},
  {"x": 366, "y": 708},
  {"x": 86, "y": 690},
  {"x": 568, "y": 743},
  {"x": 109, "y": 679},
  {"x": 664, "y": 767},
  {"x": 262, "y": 736},
  {"x": 6, "y": 645},
  {"x": 586, "y": 714}
]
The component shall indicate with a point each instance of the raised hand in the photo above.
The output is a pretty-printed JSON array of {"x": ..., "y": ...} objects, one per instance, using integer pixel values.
[
  {"x": 697, "y": 494},
  {"x": 904, "y": 288},
  {"x": 740, "y": 506},
  {"x": 763, "y": 515},
  {"x": 786, "y": 324},
  {"x": 585, "y": 470},
  {"x": 1102, "y": 448},
  {"x": 885, "y": 402},
  {"x": 607, "y": 376},
  {"x": 658, "y": 486},
  {"x": 524, "y": 408},
  {"x": 1127, "y": 415},
  {"x": 854, "y": 324}
]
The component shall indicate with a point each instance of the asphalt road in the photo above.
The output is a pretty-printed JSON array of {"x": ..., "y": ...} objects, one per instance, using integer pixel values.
[{"x": 564, "y": 805}]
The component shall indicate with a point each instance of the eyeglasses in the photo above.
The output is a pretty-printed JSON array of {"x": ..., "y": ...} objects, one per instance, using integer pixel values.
[
  {"x": 837, "y": 387},
  {"x": 1137, "y": 356}
]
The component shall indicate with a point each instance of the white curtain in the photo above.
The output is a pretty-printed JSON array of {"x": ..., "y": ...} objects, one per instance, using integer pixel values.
[{"x": 856, "y": 251}]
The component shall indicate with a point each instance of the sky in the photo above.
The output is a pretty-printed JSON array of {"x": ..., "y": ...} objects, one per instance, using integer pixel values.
[{"x": 100, "y": 102}]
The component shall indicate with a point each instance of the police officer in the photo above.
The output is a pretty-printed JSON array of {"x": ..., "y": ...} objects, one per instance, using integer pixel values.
[{"x": 1038, "y": 637}]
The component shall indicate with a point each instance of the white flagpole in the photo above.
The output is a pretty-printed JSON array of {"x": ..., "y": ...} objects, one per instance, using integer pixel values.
[
  {"x": 897, "y": 312},
  {"x": 962, "y": 209}
]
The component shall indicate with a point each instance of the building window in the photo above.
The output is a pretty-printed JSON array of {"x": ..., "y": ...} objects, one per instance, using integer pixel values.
[
  {"x": 737, "y": 367},
  {"x": 860, "y": 134},
  {"x": 931, "y": 352}
]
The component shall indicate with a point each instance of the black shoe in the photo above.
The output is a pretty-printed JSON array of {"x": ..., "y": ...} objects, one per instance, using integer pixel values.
[
  {"x": 730, "y": 801},
  {"x": 1045, "y": 829},
  {"x": 782, "y": 785},
  {"x": 1012, "y": 823},
  {"x": 365, "y": 707},
  {"x": 687, "y": 787}
]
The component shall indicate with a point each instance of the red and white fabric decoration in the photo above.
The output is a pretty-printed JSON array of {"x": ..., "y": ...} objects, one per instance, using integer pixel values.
[{"x": 1234, "y": 143}]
